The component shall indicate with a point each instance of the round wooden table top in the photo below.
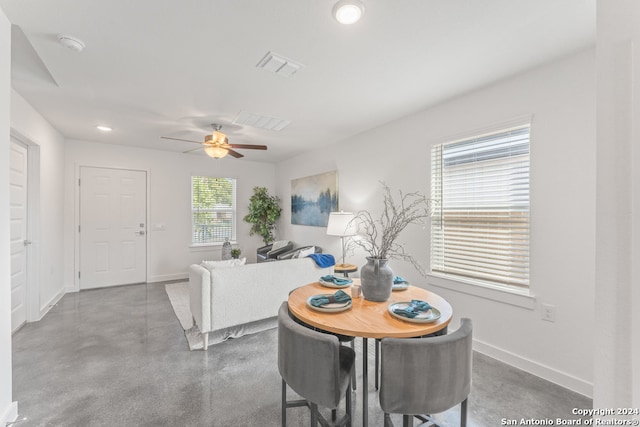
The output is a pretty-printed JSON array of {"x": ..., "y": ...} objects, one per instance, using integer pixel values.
[
  {"x": 369, "y": 319},
  {"x": 345, "y": 268}
]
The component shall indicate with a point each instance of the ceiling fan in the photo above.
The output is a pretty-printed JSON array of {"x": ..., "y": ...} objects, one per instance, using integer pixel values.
[{"x": 217, "y": 145}]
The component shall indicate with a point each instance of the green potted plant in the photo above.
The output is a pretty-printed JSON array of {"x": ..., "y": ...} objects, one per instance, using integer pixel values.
[
  {"x": 264, "y": 211},
  {"x": 235, "y": 253}
]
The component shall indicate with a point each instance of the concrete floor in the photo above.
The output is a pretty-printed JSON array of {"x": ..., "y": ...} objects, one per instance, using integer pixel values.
[{"x": 118, "y": 356}]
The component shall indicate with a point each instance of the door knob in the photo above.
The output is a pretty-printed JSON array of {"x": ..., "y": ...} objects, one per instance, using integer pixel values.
[
  {"x": 140, "y": 233},
  {"x": 27, "y": 242}
]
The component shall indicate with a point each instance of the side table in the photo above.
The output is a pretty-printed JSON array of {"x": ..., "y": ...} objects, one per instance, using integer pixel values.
[{"x": 345, "y": 269}]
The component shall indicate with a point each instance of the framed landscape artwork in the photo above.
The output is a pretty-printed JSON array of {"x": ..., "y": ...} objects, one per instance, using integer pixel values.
[{"x": 313, "y": 198}]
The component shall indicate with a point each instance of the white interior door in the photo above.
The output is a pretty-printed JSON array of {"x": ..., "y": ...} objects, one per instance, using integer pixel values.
[
  {"x": 18, "y": 234},
  {"x": 113, "y": 241}
]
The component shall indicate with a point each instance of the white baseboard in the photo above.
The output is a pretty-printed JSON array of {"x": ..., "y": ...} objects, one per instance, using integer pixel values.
[
  {"x": 168, "y": 277},
  {"x": 9, "y": 414},
  {"x": 44, "y": 310},
  {"x": 550, "y": 374}
]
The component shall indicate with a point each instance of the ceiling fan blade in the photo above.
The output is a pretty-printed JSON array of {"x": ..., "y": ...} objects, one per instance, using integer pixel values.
[
  {"x": 248, "y": 146},
  {"x": 192, "y": 150},
  {"x": 183, "y": 140},
  {"x": 234, "y": 153}
]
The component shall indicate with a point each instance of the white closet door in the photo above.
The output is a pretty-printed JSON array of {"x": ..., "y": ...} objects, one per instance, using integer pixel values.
[{"x": 18, "y": 234}]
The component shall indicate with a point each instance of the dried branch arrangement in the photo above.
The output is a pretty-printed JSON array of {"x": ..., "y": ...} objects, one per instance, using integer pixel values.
[{"x": 378, "y": 237}]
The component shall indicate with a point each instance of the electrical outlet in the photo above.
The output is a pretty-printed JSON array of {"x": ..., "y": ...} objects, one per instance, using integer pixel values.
[{"x": 549, "y": 312}]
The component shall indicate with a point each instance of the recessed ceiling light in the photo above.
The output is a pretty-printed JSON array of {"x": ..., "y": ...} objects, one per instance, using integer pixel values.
[
  {"x": 348, "y": 12},
  {"x": 103, "y": 128}
]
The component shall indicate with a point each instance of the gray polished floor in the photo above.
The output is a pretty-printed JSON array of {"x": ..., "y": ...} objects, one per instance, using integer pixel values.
[{"x": 118, "y": 356}]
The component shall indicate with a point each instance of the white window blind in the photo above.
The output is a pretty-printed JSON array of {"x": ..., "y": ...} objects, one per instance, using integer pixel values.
[
  {"x": 213, "y": 208},
  {"x": 480, "y": 196}
]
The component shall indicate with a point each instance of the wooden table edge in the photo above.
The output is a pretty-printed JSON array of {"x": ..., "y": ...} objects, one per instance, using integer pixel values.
[{"x": 300, "y": 311}]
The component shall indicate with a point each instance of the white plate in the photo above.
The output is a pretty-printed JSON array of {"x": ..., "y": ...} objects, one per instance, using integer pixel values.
[
  {"x": 334, "y": 307},
  {"x": 424, "y": 317},
  {"x": 335, "y": 285}
]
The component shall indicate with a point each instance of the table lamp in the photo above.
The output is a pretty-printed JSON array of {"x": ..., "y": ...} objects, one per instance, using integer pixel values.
[{"x": 341, "y": 224}]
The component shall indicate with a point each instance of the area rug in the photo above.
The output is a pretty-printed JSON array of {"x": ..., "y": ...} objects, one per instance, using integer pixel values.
[{"x": 178, "y": 294}]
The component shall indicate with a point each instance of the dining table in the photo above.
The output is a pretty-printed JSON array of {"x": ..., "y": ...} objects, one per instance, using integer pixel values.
[{"x": 369, "y": 319}]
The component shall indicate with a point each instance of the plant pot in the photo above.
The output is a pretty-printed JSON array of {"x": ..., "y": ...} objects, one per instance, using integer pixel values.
[{"x": 376, "y": 278}]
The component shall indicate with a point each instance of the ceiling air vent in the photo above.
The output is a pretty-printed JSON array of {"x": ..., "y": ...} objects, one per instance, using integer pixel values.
[
  {"x": 279, "y": 64},
  {"x": 258, "y": 121}
]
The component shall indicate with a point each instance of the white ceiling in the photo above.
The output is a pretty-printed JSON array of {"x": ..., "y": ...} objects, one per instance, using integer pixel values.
[{"x": 169, "y": 67}]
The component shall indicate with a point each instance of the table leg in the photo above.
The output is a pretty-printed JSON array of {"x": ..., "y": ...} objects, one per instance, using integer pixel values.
[{"x": 365, "y": 383}]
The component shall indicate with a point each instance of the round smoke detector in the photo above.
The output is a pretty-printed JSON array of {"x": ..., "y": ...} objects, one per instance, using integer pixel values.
[{"x": 71, "y": 42}]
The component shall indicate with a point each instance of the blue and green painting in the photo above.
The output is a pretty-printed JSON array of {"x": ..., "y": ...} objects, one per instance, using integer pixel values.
[{"x": 313, "y": 198}]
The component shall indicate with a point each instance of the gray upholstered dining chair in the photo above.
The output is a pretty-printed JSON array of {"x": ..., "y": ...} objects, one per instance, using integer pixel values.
[
  {"x": 315, "y": 366},
  {"x": 422, "y": 376}
]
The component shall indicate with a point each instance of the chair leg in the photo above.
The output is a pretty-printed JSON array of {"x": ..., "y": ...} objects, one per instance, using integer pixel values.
[
  {"x": 334, "y": 415},
  {"x": 463, "y": 413},
  {"x": 377, "y": 361},
  {"x": 314, "y": 414},
  {"x": 353, "y": 374},
  {"x": 348, "y": 405},
  {"x": 205, "y": 340},
  {"x": 284, "y": 404},
  {"x": 407, "y": 420},
  {"x": 387, "y": 420}
]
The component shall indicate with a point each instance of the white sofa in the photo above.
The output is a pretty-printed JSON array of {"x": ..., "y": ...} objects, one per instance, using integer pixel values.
[{"x": 228, "y": 302}]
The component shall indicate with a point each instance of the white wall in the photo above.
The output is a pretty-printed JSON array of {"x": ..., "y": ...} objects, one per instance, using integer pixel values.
[
  {"x": 169, "y": 195},
  {"x": 561, "y": 98},
  {"x": 8, "y": 409},
  {"x": 617, "y": 356},
  {"x": 46, "y": 143}
]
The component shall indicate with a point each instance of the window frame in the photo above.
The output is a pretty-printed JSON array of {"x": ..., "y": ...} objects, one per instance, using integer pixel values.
[
  {"x": 232, "y": 210},
  {"x": 516, "y": 295}
]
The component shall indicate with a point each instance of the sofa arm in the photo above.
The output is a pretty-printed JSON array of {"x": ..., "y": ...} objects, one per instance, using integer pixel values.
[
  {"x": 266, "y": 253},
  {"x": 262, "y": 253},
  {"x": 275, "y": 252},
  {"x": 200, "y": 296}
]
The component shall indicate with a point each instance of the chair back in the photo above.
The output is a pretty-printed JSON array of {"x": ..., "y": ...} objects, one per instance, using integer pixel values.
[
  {"x": 309, "y": 361},
  {"x": 426, "y": 375}
]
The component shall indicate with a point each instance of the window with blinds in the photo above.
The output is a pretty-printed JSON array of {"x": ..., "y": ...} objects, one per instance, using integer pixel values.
[
  {"x": 213, "y": 209},
  {"x": 480, "y": 196}
]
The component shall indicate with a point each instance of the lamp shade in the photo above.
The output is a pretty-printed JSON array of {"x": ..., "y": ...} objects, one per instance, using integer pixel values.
[{"x": 341, "y": 224}]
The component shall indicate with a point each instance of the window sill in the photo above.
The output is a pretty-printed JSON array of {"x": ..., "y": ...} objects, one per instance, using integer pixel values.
[
  {"x": 516, "y": 297},
  {"x": 207, "y": 246}
]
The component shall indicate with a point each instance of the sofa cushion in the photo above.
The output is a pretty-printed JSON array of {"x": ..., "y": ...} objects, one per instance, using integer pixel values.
[
  {"x": 224, "y": 263},
  {"x": 279, "y": 244},
  {"x": 304, "y": 252}
]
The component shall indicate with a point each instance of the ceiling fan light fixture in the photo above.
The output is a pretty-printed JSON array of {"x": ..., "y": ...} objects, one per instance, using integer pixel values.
[
  {"x": 219, "y": 137},
  {"x": 216, "y": 138},
  {"x": 215, "y": 151},
  {"x": 348, "y": 12}
]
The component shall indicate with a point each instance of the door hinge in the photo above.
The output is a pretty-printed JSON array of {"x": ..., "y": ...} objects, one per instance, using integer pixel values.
[
  {"x": 78, "y": 274},
  {"x": 78, "y": 182},
  {"x": 78, "y": 229}
]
